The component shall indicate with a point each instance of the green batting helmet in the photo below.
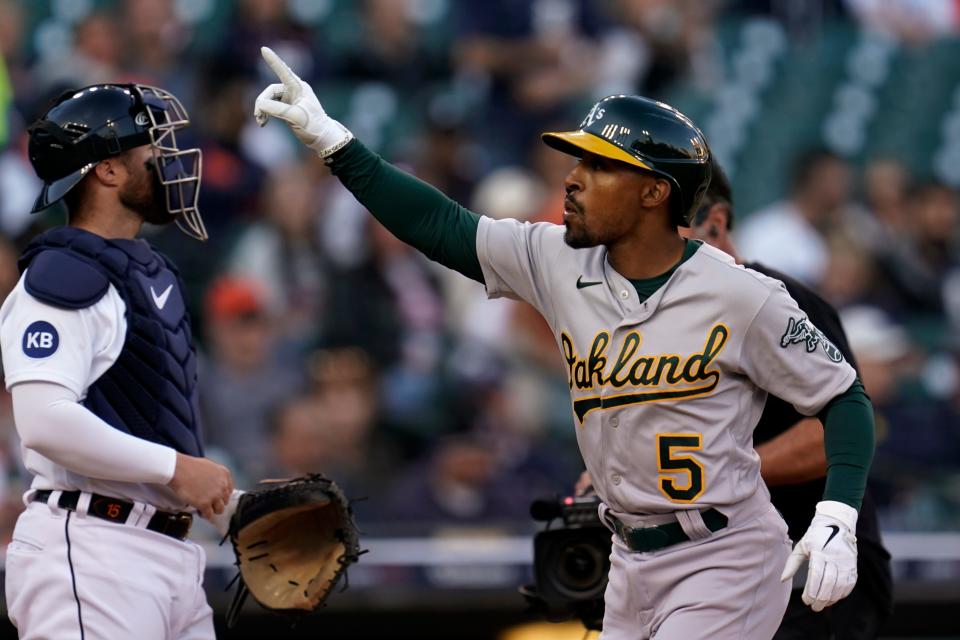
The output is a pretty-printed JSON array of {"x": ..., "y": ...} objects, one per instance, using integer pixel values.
[{"x": 650, "y": 135}]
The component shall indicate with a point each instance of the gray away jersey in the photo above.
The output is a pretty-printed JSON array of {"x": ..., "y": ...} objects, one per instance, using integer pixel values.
[{"x": 665, "y": 393}]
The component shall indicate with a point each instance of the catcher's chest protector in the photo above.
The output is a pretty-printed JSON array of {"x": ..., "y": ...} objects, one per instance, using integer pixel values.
[{"x": 151, "y": 390}]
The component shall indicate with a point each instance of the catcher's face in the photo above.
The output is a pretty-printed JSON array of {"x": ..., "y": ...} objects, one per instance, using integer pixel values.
[
  {"x": 177, "y": 170},
  {"x": 142, "y": 191},
  {"x": 603, "y": 199}
]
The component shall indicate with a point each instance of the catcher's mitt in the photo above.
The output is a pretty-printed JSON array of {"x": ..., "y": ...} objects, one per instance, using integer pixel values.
[{"x": 293, "y": 540}]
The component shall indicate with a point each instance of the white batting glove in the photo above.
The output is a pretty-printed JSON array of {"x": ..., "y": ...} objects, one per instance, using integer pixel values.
[
  {"x": 293, "y": 101},
  {"x": 831, "y": 546}
]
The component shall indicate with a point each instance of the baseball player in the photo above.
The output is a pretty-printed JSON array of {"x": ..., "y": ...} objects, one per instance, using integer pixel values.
[
  {"x": 670, "y": 348},
  {"x": 791, "y": 450},
  {"x": 99, "y": 361},
  {"x": 792, "y": 458}
]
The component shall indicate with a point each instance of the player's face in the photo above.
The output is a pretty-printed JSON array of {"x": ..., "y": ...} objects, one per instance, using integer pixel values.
[
  {"x": 142, "y": 191},
  {"x": 603, "y": 201}
]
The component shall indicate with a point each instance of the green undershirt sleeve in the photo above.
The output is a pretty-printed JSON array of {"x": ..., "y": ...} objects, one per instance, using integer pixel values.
[
  {"x": 848, "y": 432},
  {"x": 412, "y": 210}
]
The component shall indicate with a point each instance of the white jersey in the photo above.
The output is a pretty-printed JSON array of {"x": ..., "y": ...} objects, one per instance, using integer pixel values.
[
  {"x": 71, "y": 348},
  {"x": 666, "y": 392}
]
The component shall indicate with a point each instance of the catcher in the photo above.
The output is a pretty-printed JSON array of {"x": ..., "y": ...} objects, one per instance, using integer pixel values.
[{"x": 99, "y": 362}]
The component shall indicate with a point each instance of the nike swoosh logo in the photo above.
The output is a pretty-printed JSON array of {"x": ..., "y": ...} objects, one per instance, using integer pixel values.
[
  {"x": 581, "y": 284},
  {"x": 836, "y": 530},
  {"x": 161, "y": 300}
]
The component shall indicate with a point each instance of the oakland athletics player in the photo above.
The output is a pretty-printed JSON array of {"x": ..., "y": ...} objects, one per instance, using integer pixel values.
[
  {"x": 792, "y": 461},
  {"x": 670, "y": 349},
  {"x": 98, "y": 358}
]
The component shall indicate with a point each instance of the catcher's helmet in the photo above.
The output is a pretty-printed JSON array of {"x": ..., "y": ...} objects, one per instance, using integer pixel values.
[
  {"x": 84, "y": 126},
  {"x": 646, "y": 134}
]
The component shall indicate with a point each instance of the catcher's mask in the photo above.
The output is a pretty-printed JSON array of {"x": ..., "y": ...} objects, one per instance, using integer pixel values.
[
  {"x": 648, "y": 135},
  {"x": 84, "y": 126}
]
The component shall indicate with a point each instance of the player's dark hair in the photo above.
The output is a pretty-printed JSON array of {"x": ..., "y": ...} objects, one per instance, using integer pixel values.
[{"x": 719, "y": 191}]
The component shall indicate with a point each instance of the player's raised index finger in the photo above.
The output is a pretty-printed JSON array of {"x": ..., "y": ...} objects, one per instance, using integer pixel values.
[{"x": 285, "y": 73}]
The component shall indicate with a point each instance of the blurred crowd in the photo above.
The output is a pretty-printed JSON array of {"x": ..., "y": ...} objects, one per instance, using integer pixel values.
[
  {"x": 883, "y": 248},
  {"x": 327, "y": 345}
]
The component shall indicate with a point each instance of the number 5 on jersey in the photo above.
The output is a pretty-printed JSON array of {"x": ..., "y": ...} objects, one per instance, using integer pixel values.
[{"x": 670, "y": 462}]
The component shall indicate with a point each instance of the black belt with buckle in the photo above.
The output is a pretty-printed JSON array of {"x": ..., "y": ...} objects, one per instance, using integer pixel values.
[
  {"x": 644, "y": 539},
  {"x": 175, "y": 525}
]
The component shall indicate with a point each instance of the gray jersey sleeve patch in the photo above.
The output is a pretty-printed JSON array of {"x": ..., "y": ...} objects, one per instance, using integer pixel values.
[{"x": 787, "y": 355}]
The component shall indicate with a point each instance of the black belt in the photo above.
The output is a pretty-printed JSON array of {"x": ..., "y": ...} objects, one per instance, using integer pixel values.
[
  {"x": 175, "y": 525},
  {"x": 645, "y": 539}
]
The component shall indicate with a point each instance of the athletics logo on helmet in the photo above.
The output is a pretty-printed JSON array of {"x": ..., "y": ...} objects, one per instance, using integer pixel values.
[
  {"x": 85, "y": 126},
  {"x": 595, "y": 113},
  {"x": 650, "y": 135}
]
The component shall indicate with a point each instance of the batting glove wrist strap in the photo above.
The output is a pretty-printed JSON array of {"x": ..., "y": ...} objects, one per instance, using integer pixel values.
[
  {"x": 831, "y": 548},
  {"x": 844, "y": 513},
  {"x": 293, "y": 101}
]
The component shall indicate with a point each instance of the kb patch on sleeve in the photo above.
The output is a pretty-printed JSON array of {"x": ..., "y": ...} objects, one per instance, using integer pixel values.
[{"x": 40, "y": 340}]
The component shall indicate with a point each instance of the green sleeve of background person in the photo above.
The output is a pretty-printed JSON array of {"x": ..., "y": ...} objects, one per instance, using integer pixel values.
[
  {"x": 848, "y": 433},
  {"x": 6, "y": 97},
  {"x": 411, "y": 209}
]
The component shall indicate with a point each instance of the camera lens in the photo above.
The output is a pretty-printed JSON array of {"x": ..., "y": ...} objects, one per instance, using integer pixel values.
[
  {"x": 570, "y": 566},
  {"x": 581, "y": 567}
]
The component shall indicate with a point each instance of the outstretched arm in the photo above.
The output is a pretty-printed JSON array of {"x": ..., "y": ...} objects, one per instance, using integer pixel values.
[{"x": 412, "y": 210}]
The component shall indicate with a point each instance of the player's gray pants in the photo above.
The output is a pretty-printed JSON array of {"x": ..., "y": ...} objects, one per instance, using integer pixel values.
[
  {"x": 114, "y": 580},
  {"x": 724, "y": 587}
]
